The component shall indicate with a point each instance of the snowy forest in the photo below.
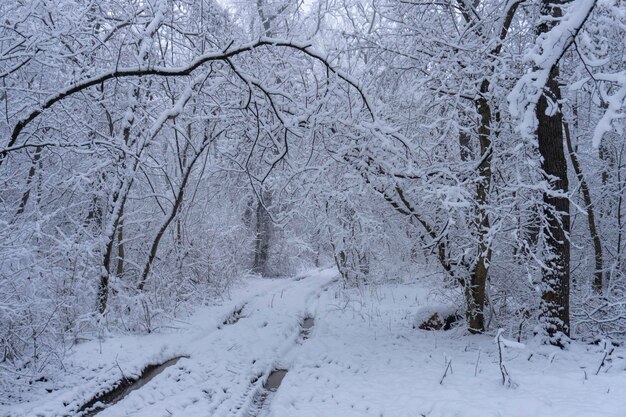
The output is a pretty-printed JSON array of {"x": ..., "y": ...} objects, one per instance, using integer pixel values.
[{"x": 157, "y": 155}]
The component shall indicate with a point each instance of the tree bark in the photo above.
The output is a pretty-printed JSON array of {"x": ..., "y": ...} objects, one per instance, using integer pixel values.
[
  {"x": 154, "y": 247},
  {"x": 31, "y": 175},
  {"x": 121, "y": 251},
  {"x": 119, "y": 201},
  {"x": 475, "y": 290},
  {"x": 556, "y": 270},
  {"x": 262, "y": 236}
]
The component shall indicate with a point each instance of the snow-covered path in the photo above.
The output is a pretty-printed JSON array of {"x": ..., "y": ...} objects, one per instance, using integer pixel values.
[
  {"x": 227, "y": 368},
  {"x": 227, "y": 357},
  {"x": 363, "y": 359}
]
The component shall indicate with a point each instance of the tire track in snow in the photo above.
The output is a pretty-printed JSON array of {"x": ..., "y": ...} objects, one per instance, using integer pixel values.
[
  {"x": 258, "y": 397},
  {"x": 263, "y": 397},
  {"x": 228, "y": 367}
]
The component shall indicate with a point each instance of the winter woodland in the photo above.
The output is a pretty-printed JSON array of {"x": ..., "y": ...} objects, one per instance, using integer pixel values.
[{"x": 155, "y": 153}]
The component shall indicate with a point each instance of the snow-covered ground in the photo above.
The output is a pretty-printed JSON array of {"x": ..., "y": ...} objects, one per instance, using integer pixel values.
[{"x": 363, "y": 358}]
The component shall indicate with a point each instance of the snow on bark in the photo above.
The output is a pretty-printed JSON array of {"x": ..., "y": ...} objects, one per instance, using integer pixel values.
[{"x": 547, "y": 52}]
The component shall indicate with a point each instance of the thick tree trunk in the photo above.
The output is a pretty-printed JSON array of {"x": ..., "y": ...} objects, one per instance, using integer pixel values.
[
  {"x": 556, "y": 272},
  {"x": 475, "y": 289},
  {"x": 480, "y": 271}
]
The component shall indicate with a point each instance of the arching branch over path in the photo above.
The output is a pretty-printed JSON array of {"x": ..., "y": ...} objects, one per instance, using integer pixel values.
[{"x": 186, "y": 70}]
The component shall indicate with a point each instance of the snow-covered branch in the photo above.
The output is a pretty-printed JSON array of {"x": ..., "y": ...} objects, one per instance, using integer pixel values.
[
  {"x": 548, "y": 50},
  {"x": 185, "y": 70}
]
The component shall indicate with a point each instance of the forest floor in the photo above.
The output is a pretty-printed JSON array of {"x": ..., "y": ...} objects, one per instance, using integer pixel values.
[{"x": 361, "y": 357}]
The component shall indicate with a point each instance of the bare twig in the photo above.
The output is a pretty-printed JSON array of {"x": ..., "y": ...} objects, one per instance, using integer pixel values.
[{"x": 448, "y": 366}]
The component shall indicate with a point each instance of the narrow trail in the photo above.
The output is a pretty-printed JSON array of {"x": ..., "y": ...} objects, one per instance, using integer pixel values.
[{"x": 234, "y": 371}]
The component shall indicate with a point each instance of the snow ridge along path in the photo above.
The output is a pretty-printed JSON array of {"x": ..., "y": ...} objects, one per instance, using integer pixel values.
[{"x": 227, "y": 360}]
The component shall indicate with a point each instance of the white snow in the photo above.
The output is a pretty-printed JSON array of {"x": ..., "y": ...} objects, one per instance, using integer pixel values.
[
  {"x": 220, "y": 363},
  {"x": 547, "y": 52},
  {"x": 442, "y": 311},
  {"x": 615, "y": 105},
  {"x": 363, "y": 358}
]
